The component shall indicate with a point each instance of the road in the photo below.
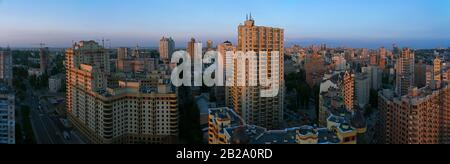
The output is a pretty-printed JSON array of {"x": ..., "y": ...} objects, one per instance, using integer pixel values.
[{"x": 47, "y": 127}]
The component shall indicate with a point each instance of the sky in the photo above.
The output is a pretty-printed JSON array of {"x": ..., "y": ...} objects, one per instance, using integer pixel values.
[{"x": 352, "y": 23}]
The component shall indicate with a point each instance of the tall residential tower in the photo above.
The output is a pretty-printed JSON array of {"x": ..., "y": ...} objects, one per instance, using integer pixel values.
[{"x": 247, "y": 101}]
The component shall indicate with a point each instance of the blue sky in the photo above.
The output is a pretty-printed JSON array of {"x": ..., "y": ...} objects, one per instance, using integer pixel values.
[{"x": 356, "y": 23}]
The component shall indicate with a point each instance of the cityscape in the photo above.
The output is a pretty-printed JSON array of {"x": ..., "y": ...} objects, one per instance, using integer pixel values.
[{"x": 101, "y": 89}]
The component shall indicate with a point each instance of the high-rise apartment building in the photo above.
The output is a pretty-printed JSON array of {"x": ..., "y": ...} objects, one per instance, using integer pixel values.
[
  {"x": 375, "y": 74},
  {"x": 420, "y": 74},
  {"x": 166, "y": 48},
  {"x": 7, "y": 115},
  {"x": 247, "y": 101},
  {"x": 191, "y": 48},
  {"x": 6, "y": 66},
  {"x": 383, "y": 53},
  {"x": 420, "y": 117},
  {"x": 404, "y": 72},
  {"x": 437, "y": 69},
  {"x": 362, "y": 89},
  {"x": 122, "y": 53},
  {"x": 349, "y": 90},
  {"x": 43, "y": 54},
  {"x": 129, "y": 112},
  {"x": 222, "y": 94}
]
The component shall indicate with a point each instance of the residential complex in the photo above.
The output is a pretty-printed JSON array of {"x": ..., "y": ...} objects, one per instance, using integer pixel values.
[
  {"x": 124, "y": 112},
  {"x": 226, "y": 127}
]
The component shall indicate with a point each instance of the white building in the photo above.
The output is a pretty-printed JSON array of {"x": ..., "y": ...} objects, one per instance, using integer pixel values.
[
  {"x": 55, "y": 83},
  {"x": 7, "y": 116}
]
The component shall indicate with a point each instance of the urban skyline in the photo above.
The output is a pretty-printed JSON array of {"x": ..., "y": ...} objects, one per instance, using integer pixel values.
[
  {"x": 416, "y": 24},
  {"x": 270, "y": 82}
]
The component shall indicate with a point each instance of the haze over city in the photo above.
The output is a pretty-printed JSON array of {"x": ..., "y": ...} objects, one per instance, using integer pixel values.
[{"x": 371, "y": 24}]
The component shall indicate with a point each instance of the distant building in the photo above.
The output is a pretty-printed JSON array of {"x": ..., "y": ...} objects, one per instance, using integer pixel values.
[
  {"x": 55, "y": 83},
  {"x": 7, "y": 115},
  {"x": 315, "y": 69},
  {"x": 446, "y": 75},
  {"x": 6, "y": 66},
  {"x": 404, "y": 72},
  {"x": 349, "y": 90},
  {"x": 362, "y": 89},
  {"x": 420, "y": 71},
  {"x": 166, "y": 48},
  {"x": 44, "y": 55},
  {"x": 437, "y": 68},
  {"x": 209, "y": 45},
  {"x": 382, "y": 54},
  {"x": 191, "y": 48},
  {"x": 375, "y": 75},
  {"x": 35, "y": 72},
  {"x": 137, "y": 65},
  {"x": 122, "y": 53}
]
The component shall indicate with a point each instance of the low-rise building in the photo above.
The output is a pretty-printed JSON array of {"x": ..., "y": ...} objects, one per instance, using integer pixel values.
[{"x": 226, "y": 127}]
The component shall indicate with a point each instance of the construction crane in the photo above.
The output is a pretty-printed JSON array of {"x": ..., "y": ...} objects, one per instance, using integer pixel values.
[{"x": 41, "y": 45}]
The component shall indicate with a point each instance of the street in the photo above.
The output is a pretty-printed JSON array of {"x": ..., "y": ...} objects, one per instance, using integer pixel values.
[{"x": 47, "y": 127}]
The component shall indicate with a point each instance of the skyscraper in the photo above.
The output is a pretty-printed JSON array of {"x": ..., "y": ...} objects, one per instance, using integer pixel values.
[
  {"x": 362, "y": 89},
  {"x": 223, "y": 95},
  {"x": 166, "y": 48},
  {"x": 349, "y": 90},
  {"x": 122, "y": 53},
  {"x": 420, "y": 74},
  {"x": 7, "y": 115},
  {"x": 6, "y": 66},
  {"x": 127, "y": 113},
  {"x": 191, "y": 48},
  {"x": 43, "y": 54},
  {"x": 437, "y": 68},
  {"x": 382, "y": 54},
  {"x": 247, "y": 101},
  {"x": 404, "y": 72}
]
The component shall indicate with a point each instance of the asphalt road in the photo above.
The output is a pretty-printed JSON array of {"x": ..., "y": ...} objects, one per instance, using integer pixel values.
[{"x": 47, "y": 127}]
